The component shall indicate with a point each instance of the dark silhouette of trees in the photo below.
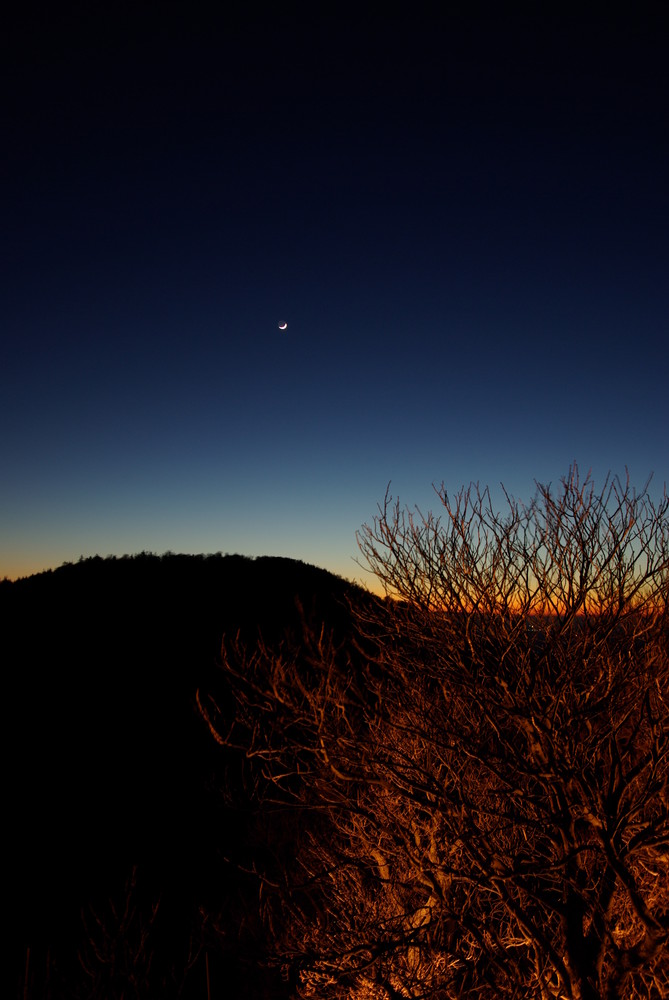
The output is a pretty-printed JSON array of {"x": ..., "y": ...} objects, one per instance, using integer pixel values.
[
  {"x": 111, "y": 770},
  {"x": 482, "y": 780}
]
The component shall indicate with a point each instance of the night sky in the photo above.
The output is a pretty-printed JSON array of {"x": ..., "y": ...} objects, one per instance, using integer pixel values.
[{"x": 463, "y": 218}]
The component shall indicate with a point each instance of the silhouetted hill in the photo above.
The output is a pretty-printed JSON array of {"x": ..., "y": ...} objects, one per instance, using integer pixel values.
[{"x": 110, "y": 766}]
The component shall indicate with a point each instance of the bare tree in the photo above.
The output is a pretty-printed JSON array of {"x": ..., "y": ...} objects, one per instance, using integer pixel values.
[
  {"x": 122, "y": 957},
  {"x": 487, "y": 771}
]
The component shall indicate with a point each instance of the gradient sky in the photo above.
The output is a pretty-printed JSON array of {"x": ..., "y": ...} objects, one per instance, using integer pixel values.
[{"x": 462, "y": 217}]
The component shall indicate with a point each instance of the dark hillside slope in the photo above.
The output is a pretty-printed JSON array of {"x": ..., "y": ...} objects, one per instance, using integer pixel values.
[{"x": 109, "y": 763}]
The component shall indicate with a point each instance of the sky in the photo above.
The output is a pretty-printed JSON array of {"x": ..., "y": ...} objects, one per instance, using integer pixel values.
[{"x": 461, "y": 212}]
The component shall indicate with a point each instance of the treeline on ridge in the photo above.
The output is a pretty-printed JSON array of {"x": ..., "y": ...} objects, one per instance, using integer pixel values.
[{"x": 112, "y": 769}]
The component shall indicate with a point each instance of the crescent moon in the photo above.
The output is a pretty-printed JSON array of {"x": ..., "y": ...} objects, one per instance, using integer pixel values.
[{"x": 283, "y": 326}]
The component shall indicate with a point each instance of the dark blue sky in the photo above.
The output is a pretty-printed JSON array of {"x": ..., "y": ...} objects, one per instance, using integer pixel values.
[{"x": 462, "y": 216}]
